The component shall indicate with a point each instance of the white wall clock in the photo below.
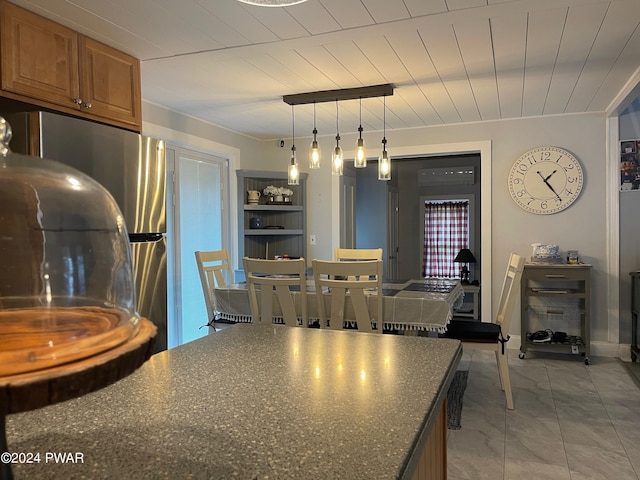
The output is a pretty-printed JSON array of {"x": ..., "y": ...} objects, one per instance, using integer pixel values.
[{"x": 545, "y": 180}]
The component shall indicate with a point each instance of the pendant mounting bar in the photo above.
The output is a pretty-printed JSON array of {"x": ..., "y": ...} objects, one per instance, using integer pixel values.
[{"x": 340, "y": 94}]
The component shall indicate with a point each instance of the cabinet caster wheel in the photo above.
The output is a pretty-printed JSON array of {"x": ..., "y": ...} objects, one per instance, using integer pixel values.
[
  {"x": 521, "y": 356},
  {"x": 587, "y": 362}
]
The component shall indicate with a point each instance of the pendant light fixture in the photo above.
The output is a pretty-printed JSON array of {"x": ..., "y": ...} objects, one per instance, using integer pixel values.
[
  {"x": 293, "y": 177},
  {"x": 361, "y": 152},
  {"x": 314, "y": 150},
  {"x": 337, "y": 159},
  {"x": 384, "y": 162}
]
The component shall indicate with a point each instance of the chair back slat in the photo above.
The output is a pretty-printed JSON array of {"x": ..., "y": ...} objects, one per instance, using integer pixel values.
[
  {"x": 354, "y": 254},
  {"x": 509, "y": 292},
  {"x": 275, "y": 279},
  {"x": 350, "y": 284},
  {"x": 357, "y": 254},
  {"x": 215, "y": 272}
]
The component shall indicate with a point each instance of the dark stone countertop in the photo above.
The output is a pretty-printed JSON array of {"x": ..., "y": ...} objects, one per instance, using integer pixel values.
[{"x": 252, "y": 402}]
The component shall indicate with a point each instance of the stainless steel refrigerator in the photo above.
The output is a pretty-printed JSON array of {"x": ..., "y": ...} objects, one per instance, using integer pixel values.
[{"x": 132, "y": 168}]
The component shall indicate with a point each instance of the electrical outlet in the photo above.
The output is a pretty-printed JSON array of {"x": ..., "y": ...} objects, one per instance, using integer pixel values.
[{"x": 312, "y": 239}]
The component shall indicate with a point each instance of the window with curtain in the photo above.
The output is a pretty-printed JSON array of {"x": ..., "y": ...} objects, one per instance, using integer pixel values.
[{"x": 446, "y": 231}]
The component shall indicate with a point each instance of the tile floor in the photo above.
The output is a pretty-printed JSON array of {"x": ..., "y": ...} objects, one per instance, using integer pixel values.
[{"x": 571, "y": 421}]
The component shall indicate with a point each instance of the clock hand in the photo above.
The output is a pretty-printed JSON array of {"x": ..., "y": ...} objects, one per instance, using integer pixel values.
[
  {"x": 549, "y": 185},
  {"x": 550, "y": 175}
]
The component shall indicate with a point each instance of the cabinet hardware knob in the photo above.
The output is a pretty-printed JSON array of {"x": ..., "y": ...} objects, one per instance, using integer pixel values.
[
  {"x": 77, "y": 100},
  {"x": 86, "y": 104}
]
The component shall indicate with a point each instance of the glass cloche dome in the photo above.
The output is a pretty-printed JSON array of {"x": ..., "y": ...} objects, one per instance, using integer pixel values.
[{"x": 66, "y": 280}]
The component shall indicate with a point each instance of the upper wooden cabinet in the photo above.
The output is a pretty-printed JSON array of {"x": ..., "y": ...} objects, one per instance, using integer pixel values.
[
  {"x": 61, "y": 69},
  {"x": 109, "y": 82}
]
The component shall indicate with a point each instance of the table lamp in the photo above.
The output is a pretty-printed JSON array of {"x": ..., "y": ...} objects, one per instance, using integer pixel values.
[{"x": 464, "y": 256}]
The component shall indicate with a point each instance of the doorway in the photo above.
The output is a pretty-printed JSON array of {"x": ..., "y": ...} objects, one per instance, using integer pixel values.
[{"x": 200, "y": 221}]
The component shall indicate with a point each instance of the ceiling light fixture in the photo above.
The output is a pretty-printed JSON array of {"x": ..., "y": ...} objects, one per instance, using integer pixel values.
[
  {"x": 293, "y": 177},
  {"x": 314, "y": 150},
  {"x": 273, "y": 3},
  {"x": 337, "y": 159},
  {"x": 361, "y": 152},
  {"x": 384, "y": 162},
  {"x": 337, "y": 155}
]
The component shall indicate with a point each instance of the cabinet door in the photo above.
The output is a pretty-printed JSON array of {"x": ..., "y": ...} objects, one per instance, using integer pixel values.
[
  {"x": 110, "y": 82},
  {"x": 39, "y": 57}
]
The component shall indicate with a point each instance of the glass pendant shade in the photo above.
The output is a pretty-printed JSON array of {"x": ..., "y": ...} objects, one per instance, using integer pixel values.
[
  {"x": 314, "y": 149},
  {"x": 293, "y": 177},
  {"x": 384, "y": 166},
  {"x": 337, "y": 160},
  {"x": 361, "y": 155}
]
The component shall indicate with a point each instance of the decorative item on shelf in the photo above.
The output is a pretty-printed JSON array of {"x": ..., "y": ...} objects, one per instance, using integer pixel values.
[
  {"x": 278, "y": 195},
  {"x": 255, "y": 222},
  {"x": 464, "y": 256},
  {"x": 573, "y": 257},
  {"x": 545, "y": 253},
  {"x": 253, "y": 196}
]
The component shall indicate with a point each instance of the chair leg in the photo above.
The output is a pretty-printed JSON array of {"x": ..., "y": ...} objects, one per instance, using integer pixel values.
[
  {"x": 503, "y": 370},
  {"x": 499, "y": 370}
]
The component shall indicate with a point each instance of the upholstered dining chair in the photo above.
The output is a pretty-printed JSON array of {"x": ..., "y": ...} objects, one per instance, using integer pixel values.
[
  {"x": 215, "y": 272},
  {"x": 494, "y": 335},
  {"x": 362, "y": 281},
  {"x": 275, "y": 278}
]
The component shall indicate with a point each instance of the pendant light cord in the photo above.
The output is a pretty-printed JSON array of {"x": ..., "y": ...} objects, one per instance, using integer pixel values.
[
  {"x": 384, "y": 123},
  {"x": 337, "y": 127},
  {"x": 360, "y": 127},
  {"x": 293, "y": 126}
]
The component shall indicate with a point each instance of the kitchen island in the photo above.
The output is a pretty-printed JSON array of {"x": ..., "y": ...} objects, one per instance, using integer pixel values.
[{"x": 254, "y": 402}]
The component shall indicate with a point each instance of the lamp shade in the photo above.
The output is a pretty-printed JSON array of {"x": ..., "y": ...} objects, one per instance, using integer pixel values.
[{"x": 465, "y": 256}]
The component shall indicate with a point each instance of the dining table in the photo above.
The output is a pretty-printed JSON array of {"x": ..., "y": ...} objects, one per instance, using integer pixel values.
[{"x": 421, "y": 305}]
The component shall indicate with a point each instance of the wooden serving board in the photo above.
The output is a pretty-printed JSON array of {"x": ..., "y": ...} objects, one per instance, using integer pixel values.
[
  {"x": 40, "y": 337},
  {"x": 31, "y": 390}
]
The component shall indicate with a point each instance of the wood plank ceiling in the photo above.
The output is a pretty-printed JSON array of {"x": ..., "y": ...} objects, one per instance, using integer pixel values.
[{"x": 451, "y": 61}]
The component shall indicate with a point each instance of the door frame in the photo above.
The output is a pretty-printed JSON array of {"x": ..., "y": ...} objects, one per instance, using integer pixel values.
[
  {"x": 174, "y": 246},
  {"x": 483, "y": 147}
]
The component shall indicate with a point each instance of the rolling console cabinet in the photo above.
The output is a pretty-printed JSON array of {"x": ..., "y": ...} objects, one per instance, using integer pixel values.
[{"x": 556, "y": 298}]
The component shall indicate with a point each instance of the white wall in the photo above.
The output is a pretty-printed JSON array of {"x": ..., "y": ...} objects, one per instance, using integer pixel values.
[{"x": 582, "y": 226}]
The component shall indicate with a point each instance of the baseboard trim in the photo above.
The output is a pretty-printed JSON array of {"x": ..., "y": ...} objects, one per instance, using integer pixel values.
[{"x": 598, "y": 349}]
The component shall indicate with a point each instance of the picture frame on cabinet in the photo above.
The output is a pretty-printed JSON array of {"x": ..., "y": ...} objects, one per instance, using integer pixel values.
[{"x": 629, "y": 165}]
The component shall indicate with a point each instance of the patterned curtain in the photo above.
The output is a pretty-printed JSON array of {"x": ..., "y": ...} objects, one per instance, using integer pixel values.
[{"x": 446, "y": 231}]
